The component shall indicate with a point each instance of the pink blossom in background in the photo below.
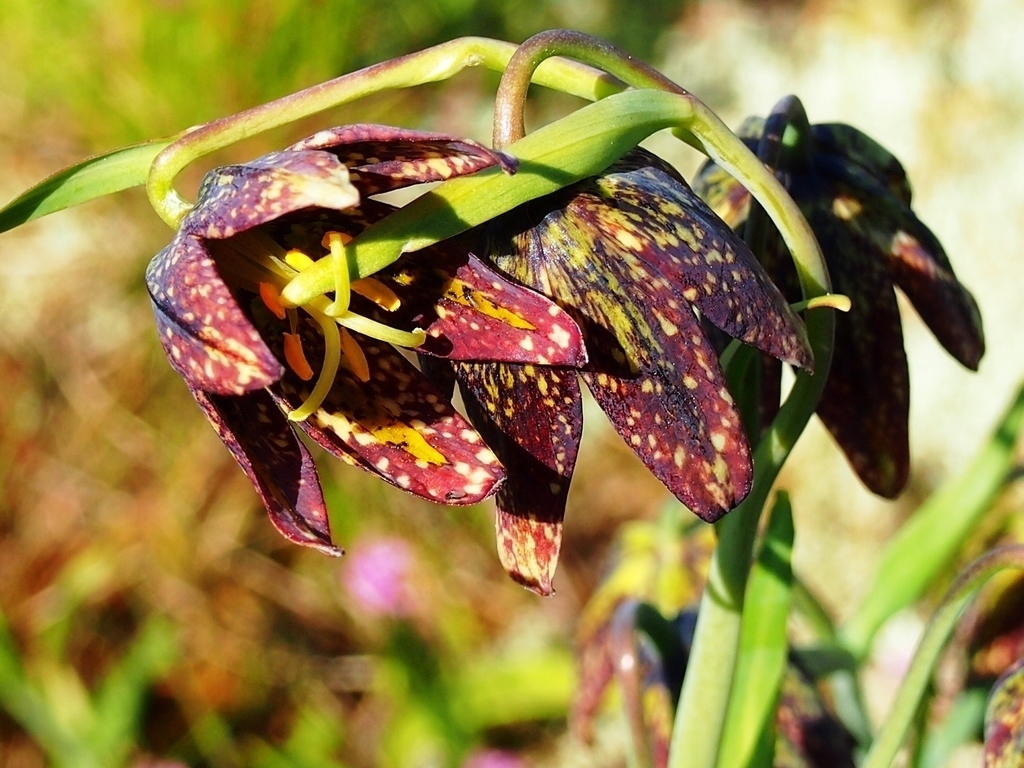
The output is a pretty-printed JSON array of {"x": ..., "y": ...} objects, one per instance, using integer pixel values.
[
  {"x": 377, "y": 576},
  {"x": 494, "y": 758}
]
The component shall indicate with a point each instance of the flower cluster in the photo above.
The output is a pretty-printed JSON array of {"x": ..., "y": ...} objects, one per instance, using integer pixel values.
[
  {"x": 607, "y": 280},
  {"x": 634, "y": 256}
]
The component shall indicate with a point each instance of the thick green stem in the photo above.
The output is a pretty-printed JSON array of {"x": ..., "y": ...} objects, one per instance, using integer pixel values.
[
  {"x": 908, "y": 699},
  {"x": 431, "y": 65},
  {"x": 700, "y": 718}
]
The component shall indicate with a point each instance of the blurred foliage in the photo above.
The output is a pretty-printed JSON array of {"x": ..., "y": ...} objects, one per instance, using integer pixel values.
[{"x": 125, "y": 70}]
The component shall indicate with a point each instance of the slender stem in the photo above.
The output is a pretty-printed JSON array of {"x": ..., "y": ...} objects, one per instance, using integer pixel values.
[
  {"x": 431, "y": 65},
  {"x": 511, "y": 97},
  {"x": 788, "y": 113},
  {"x": 901, "y": 716}
]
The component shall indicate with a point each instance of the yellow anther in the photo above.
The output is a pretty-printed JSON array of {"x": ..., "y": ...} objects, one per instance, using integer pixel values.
[
  {"x": 296, "y": 357},
  {"x": 297, "y": 260},
  {"x": 373, "y": 289},
  {"x": 272, "y": 299},
  {"x": 354, "y": 356}
]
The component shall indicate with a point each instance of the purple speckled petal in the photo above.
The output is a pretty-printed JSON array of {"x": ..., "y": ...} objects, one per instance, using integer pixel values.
[
  {"x": 651, "y": 368},
  {"x": 532, "y": 418},
  {"x": 1004, "y": 720},
  {"x": 397, "y": 425},
  {"x": 235, "y": 198},
  {"x": 383, "y": 158},
  {"x": 653, "y": 213},
  {"x": 469, "y": 311},
  {"x": 866, "y": 400},
  {"x": 275, "y": 460},
  {"x": 206, "y": 336}
]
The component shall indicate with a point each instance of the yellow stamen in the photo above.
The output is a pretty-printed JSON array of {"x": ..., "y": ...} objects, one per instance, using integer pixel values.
[
  {"x": 354, "y": 356},
  {"x": 386, "y": 333},
  {"x": 373, "y": 289},
  {"x": 295, "y": 357},
  {"x": 336, "y": 241},
  {"x": 332, "y": 356},
  {"x": 297, "y": 260},
  {"x": 272, "y": 299}
]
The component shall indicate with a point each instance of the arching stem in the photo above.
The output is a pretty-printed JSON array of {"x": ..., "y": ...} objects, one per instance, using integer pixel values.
[
  {"x": 509, "y": 125},
  {"x": 431, "y": 65}
]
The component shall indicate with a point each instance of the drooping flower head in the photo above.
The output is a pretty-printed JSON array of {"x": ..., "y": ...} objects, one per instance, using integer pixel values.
[
  {"x": 258, "y": 367},
  {"x": 633, "y": 256},
  {"x": 856, "y": 198}
]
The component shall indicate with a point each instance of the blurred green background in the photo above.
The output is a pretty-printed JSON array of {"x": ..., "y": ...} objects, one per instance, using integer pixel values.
[{"x": 148, "y": 611}]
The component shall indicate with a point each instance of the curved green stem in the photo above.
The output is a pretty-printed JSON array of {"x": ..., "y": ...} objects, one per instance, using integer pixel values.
[
  {"x": 788, "y": 119},
  {"x": 511, "y": 97},
  {"x": 431, "y": 65},
  {"x": 579, "y": 145},
  {"x": 894, "y": 730}
]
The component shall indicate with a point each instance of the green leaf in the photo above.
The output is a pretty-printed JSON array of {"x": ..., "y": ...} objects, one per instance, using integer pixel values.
[
  {"x": 20, "y": 699},
  {"x": 925, "y": 547},
  {"x": 87, "y": 180},
  {"x": 120, "y": 698},
  {"x": 961, "y": 723},
  {"x": 748, "y": 738}
]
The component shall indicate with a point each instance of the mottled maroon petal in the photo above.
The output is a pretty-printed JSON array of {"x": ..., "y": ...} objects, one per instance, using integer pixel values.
[
  {"x": 470, "y": 312},
  {"x": 275, "y": 460},
  {"x": 383, "y": 158},
  {"x": 397, "y": 425},
  {"x": 679, "y": 419},
  {"x": 853, "y": 146},
  {"x": 651, "y": 368},
  {"x": 649, "y": 209},
  {"x": 866, "y": 401},
  {"x": 235, "y": 198},
  {"x": 921, "y": 269},
  {"x": 206, "y": 336},
  {"x": 532, "y": 417},
  {"x": 809, "y": 733}
]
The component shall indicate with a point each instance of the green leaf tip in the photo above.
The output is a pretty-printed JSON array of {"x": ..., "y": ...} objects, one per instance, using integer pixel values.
[{"x": 87, "y": 180}]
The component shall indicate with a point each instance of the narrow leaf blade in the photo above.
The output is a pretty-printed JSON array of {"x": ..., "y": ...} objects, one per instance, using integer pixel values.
[{"x": 87, "y": 180}]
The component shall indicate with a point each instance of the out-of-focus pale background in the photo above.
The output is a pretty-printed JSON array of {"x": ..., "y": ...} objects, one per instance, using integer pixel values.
[{"x": 121, "y": 514}]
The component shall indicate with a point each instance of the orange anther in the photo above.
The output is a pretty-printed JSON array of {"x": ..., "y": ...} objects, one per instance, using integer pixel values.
[
  {"x": 296, "y": 357},
  {"x": 354, "y": 356},
  {"x": 374, "y": 290},
  {"x": 332, "y": 237},
  {"x": 272, "y": 299}
]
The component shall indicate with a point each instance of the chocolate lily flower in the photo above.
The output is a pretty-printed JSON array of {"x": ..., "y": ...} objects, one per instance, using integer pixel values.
[
  {"x": 258, "y": 367},
  {"x": 856, "y": 197},
  {"x": 630, "y": 255}
]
